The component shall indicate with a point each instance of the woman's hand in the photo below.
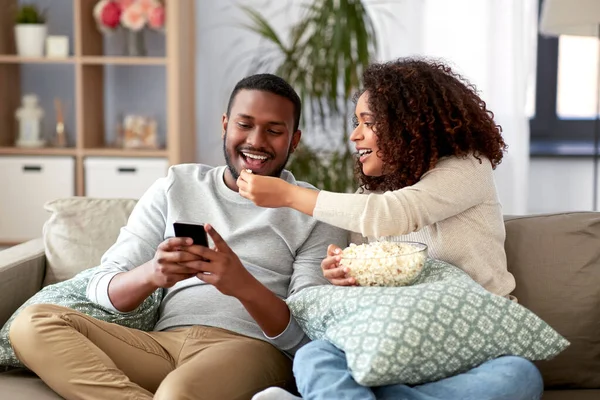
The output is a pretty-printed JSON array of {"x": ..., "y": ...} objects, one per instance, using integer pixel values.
[
  {"x": 265, "y": 191},
  {"x": 332, "y": 271}
]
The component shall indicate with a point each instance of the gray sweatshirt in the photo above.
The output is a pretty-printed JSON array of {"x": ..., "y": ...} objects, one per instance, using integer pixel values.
[{"x": 282, "y": 248}]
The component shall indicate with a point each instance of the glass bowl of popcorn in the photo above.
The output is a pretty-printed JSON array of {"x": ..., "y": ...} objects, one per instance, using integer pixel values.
[{"x": 384, "y": 263}]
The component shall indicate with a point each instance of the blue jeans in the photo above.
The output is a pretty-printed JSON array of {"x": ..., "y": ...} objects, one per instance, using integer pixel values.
[{"x": 322, "y": 374}]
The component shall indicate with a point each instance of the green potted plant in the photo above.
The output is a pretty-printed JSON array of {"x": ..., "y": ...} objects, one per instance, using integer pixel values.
[
  {"x": 30, "y": 31},
  {"x": 323, "y": 58}
]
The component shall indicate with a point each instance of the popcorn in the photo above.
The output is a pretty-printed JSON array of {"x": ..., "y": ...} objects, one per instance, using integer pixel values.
[
  {"x": 248, "y": 170},
  {"x": 384, "y": 263}
]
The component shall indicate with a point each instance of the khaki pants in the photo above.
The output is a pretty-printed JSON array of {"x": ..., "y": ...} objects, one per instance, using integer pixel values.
[{"x": 80, "y": 357}]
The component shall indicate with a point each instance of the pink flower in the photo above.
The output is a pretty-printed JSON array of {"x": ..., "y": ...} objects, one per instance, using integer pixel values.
[
  {"x": 125, "y": 4},
  {"x": 148, "y": 5},
  {"x": 133, "y": 17},
  {"x": 110, "y": 15},
  {"x": 98, "y": 9},
  {"x": 156, "y": 17}
]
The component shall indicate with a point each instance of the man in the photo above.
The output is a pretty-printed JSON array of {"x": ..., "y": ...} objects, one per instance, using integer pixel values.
[{"x": 223, "y": 326}]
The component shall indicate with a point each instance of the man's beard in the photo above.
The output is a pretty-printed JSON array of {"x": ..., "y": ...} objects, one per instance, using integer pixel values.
[{"x": 236, "y": 174}]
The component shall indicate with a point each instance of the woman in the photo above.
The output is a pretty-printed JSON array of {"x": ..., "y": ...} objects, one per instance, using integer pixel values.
[{"x": 427, "y": 147}]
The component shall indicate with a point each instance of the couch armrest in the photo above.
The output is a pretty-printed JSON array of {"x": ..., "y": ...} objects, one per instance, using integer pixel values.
[{"x": 22, "y": 270}]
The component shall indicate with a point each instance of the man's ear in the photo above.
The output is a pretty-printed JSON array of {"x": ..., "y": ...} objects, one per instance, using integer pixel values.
[
  {"x": 224, "y": 121},
  {"x": 295, "y": 140}
]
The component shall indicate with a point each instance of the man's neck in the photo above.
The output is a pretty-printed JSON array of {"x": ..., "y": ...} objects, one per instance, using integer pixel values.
[{"x": 230, "y": 181}]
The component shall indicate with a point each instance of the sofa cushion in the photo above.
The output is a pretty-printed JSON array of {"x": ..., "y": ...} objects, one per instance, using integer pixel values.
[
  {"x": 442, "y": 325},
  {"x": 556, "y": 262},
  {"x": 21, "y": 384},
  {"x": 78, "y": 233}
]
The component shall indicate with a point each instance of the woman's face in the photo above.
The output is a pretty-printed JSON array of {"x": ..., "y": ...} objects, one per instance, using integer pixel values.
[{"x": 365, "y": 139}]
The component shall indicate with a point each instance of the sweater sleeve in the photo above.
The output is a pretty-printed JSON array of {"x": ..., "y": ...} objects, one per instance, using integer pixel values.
[
  {"x": 453, "y": 186},
  {"x": 136, "y": 244},
  {"x": 307, "y": 272}
]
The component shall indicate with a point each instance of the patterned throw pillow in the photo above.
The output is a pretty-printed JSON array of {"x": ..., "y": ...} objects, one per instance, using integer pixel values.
[
  {"x": 442, "y": 325},
  {"x": 71, "y": 294}
]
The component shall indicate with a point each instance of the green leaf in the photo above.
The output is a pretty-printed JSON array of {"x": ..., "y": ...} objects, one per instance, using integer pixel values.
[
  {"x": 262, "y": 27},
  {"x": 29, "y": 14}
]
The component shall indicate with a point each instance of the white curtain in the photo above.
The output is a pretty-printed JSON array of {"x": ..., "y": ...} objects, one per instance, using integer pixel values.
[{"x": 492, "y": 43}]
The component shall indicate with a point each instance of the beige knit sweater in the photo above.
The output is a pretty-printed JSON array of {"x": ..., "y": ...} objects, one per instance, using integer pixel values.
[{"x": 454, "y": 209}]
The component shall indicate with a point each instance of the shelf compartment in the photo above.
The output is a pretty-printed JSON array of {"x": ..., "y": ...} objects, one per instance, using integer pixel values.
[
  {"x": 95, "y": 43},
  {"x": 59, "y": 21},
  {"x": 48, "y": 82},
  {"x": 111, "y": 92}
]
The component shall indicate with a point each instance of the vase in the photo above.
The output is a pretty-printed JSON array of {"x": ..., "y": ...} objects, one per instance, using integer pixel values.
[
  {"x": 30, "y": 39},
  {"x": 135, "y": 45},
  {"x": 30, "y": 115}
]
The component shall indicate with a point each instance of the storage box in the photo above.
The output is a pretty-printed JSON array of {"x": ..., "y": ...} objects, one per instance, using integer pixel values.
[
  {"x": 26, "y": 184},
  {"x": 107, "y": 177}
]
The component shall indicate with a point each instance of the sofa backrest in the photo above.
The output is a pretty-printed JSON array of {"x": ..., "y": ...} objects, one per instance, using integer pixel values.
[
  {"x": 79, "y": 231},
  {"x": 556, "y": 262}
]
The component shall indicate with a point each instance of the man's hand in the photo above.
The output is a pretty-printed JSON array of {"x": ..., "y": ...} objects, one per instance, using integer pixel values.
[
  {"x": 332, "y": 271},
  {"x": 265, "y": 191},
  {"x": 221, "y": 267},
  {"x": 127, "y": 290},
  {"x": 168, "y": 265}
]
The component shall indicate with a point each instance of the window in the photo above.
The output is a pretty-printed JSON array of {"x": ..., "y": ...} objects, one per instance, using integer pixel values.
[
  {"x": 566, "y": 96},
  {"x": 577, "y": 86}
]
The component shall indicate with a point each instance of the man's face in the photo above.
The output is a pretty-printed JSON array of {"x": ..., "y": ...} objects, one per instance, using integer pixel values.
[{"x": 258, "y": 135}]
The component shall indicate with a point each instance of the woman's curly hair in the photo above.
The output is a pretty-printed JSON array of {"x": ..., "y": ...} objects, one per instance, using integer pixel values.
[{"x": 423, "y": 112}]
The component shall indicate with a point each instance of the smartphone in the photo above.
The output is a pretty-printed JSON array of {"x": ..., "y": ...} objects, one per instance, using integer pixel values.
[{"x": 194, "y": 231}]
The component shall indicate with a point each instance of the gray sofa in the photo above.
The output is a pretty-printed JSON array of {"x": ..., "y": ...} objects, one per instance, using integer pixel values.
[{"x": 555, "y": 259}]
